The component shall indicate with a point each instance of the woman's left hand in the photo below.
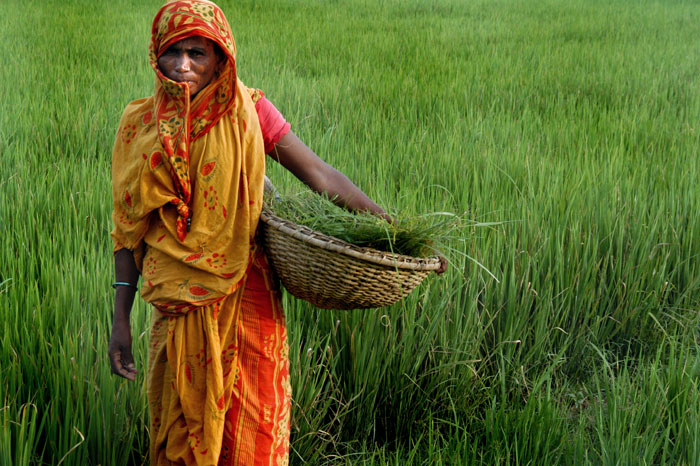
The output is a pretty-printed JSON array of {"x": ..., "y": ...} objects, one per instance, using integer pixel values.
[{"x": 443, "y": 265}]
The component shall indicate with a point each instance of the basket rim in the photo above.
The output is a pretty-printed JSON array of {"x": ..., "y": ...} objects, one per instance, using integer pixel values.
[{"x": 331, "y": 243}]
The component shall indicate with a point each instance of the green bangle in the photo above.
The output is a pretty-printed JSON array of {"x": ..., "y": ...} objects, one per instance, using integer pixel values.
[{"x": 116, "y": 284}]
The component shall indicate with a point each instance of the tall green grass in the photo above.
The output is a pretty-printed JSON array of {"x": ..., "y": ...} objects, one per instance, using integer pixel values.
[{"x": 567, "y": 129}]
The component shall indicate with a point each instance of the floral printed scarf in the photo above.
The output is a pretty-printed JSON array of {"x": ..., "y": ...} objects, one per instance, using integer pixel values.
[{"x": 188, "y": 175}]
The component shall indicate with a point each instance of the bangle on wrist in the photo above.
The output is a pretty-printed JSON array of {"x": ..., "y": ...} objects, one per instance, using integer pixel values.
[{"x": 116, "y": 284}]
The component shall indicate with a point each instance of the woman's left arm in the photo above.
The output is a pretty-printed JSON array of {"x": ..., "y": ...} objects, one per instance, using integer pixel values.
[
  {"x": 321, "y": 177},
  {"x": 296, "y": 157}
]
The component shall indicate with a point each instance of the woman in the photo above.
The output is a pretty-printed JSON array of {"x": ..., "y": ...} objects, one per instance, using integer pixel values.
[{"x": 188, "y": 169}]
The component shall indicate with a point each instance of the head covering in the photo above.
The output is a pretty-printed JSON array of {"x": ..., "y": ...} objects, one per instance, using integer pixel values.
[
  {"x": 188, "y": 174},
  {"x": 177, "y": 124}
]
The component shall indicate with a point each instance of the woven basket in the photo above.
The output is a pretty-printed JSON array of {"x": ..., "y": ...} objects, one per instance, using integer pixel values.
[{"x": 333, "y": 274}]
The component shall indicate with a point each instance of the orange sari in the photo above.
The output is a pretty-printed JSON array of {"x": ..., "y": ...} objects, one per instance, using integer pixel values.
[
  {"x": 251, "y": 341},
  {"x": 187, "y": 184}
]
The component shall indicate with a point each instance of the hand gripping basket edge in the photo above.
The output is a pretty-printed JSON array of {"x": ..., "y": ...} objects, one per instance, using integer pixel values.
[{"x": 333, "y": 274}]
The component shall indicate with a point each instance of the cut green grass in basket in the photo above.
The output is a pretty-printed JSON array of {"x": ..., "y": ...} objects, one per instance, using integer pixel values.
[{"x": 416, "y": 236}]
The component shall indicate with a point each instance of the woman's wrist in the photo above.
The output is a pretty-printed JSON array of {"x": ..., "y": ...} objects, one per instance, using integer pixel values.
[
  {"x": 124, "y": 284},
  {"x": 123, "y": 301},
  {"x": 121, "y": 315}
]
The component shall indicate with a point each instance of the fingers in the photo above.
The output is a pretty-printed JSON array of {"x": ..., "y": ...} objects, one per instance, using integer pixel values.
[
  {"x": 122, "y": 363},
  {"x": 119, "y": 349},
  {"x": 443, "y": 265}
]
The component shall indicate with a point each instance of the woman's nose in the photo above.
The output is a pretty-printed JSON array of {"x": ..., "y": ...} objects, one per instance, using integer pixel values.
[{"x": 183, "y": 64}]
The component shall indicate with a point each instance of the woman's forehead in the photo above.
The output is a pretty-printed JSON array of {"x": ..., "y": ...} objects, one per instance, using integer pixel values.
[{"x": 192, "y": 43}]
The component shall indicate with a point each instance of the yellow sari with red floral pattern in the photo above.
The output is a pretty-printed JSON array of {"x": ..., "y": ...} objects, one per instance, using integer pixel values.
[{"x": 187, "y": 185}]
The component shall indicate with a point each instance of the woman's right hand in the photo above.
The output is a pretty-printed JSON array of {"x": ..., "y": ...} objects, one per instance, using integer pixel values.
[{"x": 120, "y": 357}]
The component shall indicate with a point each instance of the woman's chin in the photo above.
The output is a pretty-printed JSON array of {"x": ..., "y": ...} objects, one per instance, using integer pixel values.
[{"x": 194, "y": 88}]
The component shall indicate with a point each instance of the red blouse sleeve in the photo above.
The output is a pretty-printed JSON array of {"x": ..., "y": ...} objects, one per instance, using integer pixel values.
[{"x": 272, "y": 123}]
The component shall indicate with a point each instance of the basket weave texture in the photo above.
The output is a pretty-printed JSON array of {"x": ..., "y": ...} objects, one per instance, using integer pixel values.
[{"x": 333, "y": 274}]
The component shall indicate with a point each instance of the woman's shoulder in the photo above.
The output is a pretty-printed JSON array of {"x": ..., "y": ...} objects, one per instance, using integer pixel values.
[
  {"x": 144, "y": 101},
  {"x": 136, "y": 125},
  {"x": 136, "y": 109}
]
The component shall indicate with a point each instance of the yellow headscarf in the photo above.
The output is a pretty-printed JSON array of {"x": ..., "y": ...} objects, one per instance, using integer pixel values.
[{"x": 188, "y": 175}]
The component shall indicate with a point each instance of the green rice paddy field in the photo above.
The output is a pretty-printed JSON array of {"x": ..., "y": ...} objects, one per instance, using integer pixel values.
[{"x": 566, "y": 132}]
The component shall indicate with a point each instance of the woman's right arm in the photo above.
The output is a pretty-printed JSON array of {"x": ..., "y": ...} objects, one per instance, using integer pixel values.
[{"x": 120, "y": 356}]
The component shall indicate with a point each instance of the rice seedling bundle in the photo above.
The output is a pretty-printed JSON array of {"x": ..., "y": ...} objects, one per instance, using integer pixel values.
[{"x": 416, "y": 236}]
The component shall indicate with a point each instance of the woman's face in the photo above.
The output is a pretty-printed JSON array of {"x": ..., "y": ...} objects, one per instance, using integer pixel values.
[{"x": 193, "y": 61}]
